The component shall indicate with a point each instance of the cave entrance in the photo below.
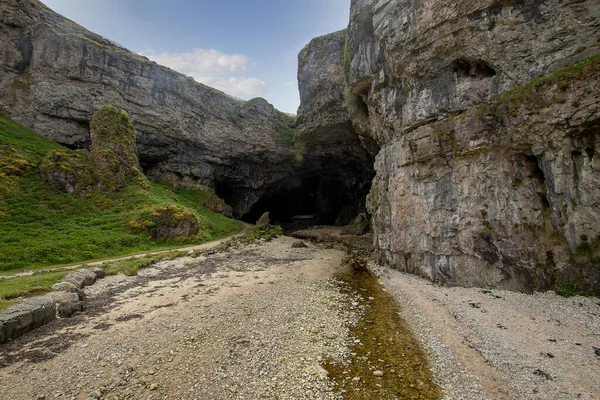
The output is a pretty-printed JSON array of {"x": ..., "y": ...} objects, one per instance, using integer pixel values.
[{"x": 298, "y": 201}]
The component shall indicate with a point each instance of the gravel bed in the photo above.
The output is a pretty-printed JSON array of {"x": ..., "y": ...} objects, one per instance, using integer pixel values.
[{"x": 493, "y": 344}]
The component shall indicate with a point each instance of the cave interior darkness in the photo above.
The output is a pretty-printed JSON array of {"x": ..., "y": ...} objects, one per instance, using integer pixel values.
[{"x": 296, "y": 196}]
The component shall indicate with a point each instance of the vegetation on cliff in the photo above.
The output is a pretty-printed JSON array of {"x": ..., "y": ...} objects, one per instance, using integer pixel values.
[{"x": 42, "y": 225}]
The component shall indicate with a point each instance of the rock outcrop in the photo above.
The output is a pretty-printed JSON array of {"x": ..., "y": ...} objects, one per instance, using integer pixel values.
[
  {"x": 56, "y": 75},
  {"x": 327, "y": 144},
  {"x": 487, "y": 115},
  {"x": 168, "y": 222},
  {"x": 113, "y": 150}
]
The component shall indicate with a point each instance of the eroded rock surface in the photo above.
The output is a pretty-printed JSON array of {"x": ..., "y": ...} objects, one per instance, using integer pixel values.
[
  {"x": 327, "y": 144},
  {"x": 478, "y": 184}
]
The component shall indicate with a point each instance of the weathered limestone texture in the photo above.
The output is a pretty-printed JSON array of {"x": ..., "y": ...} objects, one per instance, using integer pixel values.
[
  {"x": 327, "y": 143},
  {"x": 478, "y": 185},
  {"x": 22, "y": 318}
]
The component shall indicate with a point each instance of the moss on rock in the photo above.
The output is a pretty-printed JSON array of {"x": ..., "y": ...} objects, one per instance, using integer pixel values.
[
  {"x": 12, "y": 162},
  {"x": 113, "y": 150},
  {"x": 70, "y": 171},
  {"x": 168, "y": 223}
]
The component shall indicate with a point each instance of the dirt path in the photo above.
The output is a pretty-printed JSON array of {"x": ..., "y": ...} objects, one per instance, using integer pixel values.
[
  {"x": 115, "y": 259},
  {"x": 493, "y": 344}
]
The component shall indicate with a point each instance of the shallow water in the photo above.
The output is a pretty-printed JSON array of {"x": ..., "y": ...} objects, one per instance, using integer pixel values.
[{"x": 386, "y": 345}]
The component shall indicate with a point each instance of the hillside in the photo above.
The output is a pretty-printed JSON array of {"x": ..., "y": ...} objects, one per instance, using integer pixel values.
[{"x": 42, "y": 226}]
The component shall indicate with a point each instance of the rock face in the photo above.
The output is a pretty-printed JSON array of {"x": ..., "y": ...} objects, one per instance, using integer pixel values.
[
  {"x": 55, "y": 75},
  {"x": 327, "y": 144},
  {"x": 480, "y": 181}
]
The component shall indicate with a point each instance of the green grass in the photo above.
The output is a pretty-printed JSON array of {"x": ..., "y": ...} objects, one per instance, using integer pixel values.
[
  {"x": 26, "y": 286},
  {"x": 41, "y": 226},
  {"x": 130, "y": 267}
]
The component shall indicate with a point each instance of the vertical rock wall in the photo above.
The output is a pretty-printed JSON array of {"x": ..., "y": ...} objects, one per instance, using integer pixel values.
[
  {"x": 487, "y": 117},
  {"x": 477, "y": 184}
]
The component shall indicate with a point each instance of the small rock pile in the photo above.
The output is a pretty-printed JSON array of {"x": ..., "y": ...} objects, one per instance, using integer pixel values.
[{"x": 67, "y": 298}]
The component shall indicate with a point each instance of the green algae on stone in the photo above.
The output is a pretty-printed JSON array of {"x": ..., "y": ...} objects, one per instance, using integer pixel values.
[
  {"x": 113, "y": 150},
  {"x": 385, "y": 344}
]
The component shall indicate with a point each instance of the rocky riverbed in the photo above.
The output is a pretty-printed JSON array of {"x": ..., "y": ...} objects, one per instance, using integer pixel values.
[{"x": 271, "y": 320}]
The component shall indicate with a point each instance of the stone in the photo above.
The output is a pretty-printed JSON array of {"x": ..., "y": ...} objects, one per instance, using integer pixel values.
[
  {"x": 63, "y": 286},
  {"x": 67, "y": 303},
  {"x": 168, "y": 222},
  {"x": 264, "y": 222},
  {"x": 76, "y": 278},
  {"x": 21, "y": 318},
  {"x": 299, "y": 245},
  {"x": 378, "y": 373},
  {"x": 99, "y": 272},
  {"x": 113, "y": 150},
  {"x": 90, "y": 276}
]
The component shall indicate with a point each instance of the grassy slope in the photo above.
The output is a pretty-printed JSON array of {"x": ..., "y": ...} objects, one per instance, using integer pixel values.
[{"x": 40, "y": 226}]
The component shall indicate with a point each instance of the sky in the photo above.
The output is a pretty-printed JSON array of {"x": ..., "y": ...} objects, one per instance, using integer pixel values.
[{"x": 246, "y": 48}]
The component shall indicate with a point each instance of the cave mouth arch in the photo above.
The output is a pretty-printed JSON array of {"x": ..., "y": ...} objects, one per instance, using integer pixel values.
[{"x": 309, "y": 199}]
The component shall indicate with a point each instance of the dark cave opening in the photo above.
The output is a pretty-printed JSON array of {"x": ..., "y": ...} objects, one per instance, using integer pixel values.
[
  {"x": 473, "y": 69},
  {"x": 308, "y": 200}
]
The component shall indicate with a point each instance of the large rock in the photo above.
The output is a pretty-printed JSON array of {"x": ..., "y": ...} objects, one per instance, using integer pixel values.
[
  {"x": 411, "y": 63},
  {"x": 22, "y": 318},
  {"x": 80, "y": 279},
  {"x": 113, "y": 150},
  {"x": 476, "y": 184},
  {"x": 168, "y": 223}
]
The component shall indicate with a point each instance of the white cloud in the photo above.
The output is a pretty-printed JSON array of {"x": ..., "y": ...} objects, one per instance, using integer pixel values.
[
  {"x": 213, "y": 68},
  {"x": 244, "y": 88}
]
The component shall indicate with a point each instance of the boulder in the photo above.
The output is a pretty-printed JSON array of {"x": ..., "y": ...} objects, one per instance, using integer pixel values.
[
  {"x": 67, "y": 303},
  {"x": 21, "y": 318},
  {"x": 168, "y": 223},
  {"x": 99, "y": 272},
  {"x": 79, "y": 279},
  {"x": 63, "y": 286}
]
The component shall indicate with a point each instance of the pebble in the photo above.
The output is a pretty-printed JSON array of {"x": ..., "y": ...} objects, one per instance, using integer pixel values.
[{"x": 378, "y": 373}]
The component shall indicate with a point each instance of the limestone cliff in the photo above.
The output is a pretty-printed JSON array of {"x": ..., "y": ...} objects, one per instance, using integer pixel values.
[
  {"x": 55, "y": 74},
  {"x": 327, "y": 144},
  {"x": 488, "y": 118}
]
